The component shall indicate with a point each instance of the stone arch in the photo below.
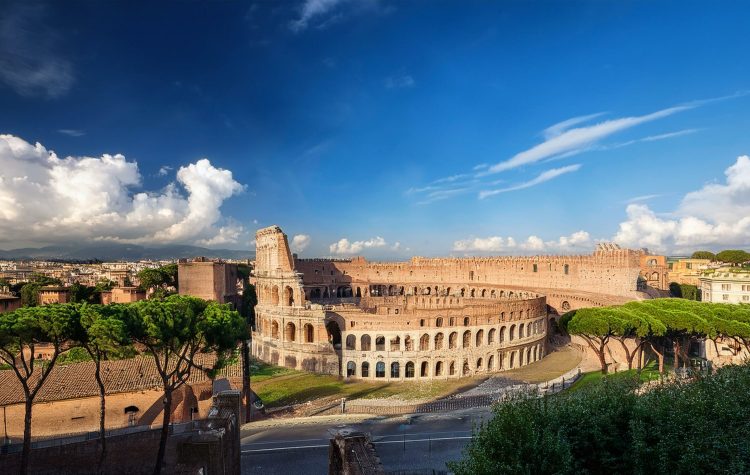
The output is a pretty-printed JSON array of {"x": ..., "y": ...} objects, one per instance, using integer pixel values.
[
  {"x": 452, "y": 340},
  {"x": 275, "y": 295},
  {"x": 520, "y": 331},
  {"x": 408, "y": 343},
  {"x": 365, "y": 343},
  {"x": 529, "y": 327},
  {"x": 395, "y": 370},
  {"x": 309, "y": 333},
  {"x": 365, "y": 369},
  {"x": 424, "y": 342},
  {"x": 565, "y": 305},
  {"x": 424, "y": 369},
  {"x": 395, "y": 343},
  {"x": 472, "y": 293},
  {"x": 380, "y": 369},
  {"x": 334, "y": 333},
  {"x": 479, "y": 364},
  {"x": 439, "y": 341},
  {"x": 288, "y": 296},
  {"x": 479, "y": 338},
  {"x": 654, "y": 276},
  {"x": 438, "y": 368},
  {"x": 463, "y": 292},
  {"x": 452, "y": 322},
  {"x": 409, "y": 369},
  {"x": 351, "y": 342},
  {"x": 439, "y": 322},
  {"x": 359, "y": 292},
  {"x": 466, "y": 369},
  {"x": 452, "y": 368},
  {"x": 491, "y": 336},
  {"x": 512, "y": 361},
  {"x": 491, "y": 363},
  {"x": 566, "y": 269},
  {"x": 520, "y": 357},
  {"x": 275, "y": 330},
  {"x": 315, "y": 293},
  {"x": 351, "y": 369},
  {"x": 466, "y": 321},
  {"x": 501, "y": 337},
  {"x": 467, "y": 339},
  {"x": 512, "y": 333},
  {"x": 380, "y": 343}
]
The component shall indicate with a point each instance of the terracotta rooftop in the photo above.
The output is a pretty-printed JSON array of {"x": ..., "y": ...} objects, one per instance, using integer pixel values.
[{"x": 77, "y": 380}]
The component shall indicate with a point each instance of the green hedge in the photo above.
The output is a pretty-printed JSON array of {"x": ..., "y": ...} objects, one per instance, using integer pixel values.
[
  {"x": 684, "y": 291},
  {"x": 696, "y": 427}
]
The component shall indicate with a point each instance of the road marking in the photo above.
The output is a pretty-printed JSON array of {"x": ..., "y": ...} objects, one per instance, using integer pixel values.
[
  {"x": 284, "y": 441},
  {"x": 407, "y": 441}
]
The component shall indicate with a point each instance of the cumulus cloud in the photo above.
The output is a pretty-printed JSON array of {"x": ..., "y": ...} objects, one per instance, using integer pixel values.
[
  {"x": 29, "y": 61},
  {"x": 45, "y": 198},
  {"x": 716, "y": 215},
  {"x": 300, "y": 242},
  {"x": 343, "y": 246},
  {"x": 164, "y": 170},
  {"x": 578, "y": 241}
]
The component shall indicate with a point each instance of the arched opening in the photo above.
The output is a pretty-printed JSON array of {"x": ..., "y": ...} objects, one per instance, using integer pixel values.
[
  {"x": 439, "y": 368},
  {"x": 452, "y": 340},
  {"x": 275, "y": 330},
  {"x": 512, "y": 335},
  {"x": 452, "y": 321},
  {"x": 566, "y": 269},
  {"x": 466, "y": 321},
  {"x": 409, "y": 369},
  {"x": 439, "y": 341},
  {"x": 351, "y": 369},
  {"x": 351, "y": 342},
  {"x": 472, "y": 293},
  {"x": 395, "y": 370},
  {"x": 334, "y": 334},
  {"x": 408, "y": 343},
  {"x": 452, "y": 368},
  {"x": 520, "y": 357},
  {"x": 491, "y": 336},
  {"x": 365, "y": 369},
  {"x": 288, "y": 296},
  {"x": 424, "y": 342},
  {"x": 275, "y": 295},
  {"x": 315, "y": 293},
  {"x": 380, "y": 369},
  {"x": 359, "y": 292},
  {"x": 396, "y": 343},
  {"x": 484, "y": 293},
  {"x": 309, "y": 332},
  {"x": 439, "y": 322},
  {"x": 528, "y": 330},
  {"x": 654, "y": 276},
  {"x": 463, "y": 292},
  {"x": 466, "y": 369},
  {"x": 479, "y": 338},
  {"x": 379, "y": 343},
  {"x": 501, "y": 337},
  {"x": 520, "y": 331},
  {"x": 467, "y": 339},
  {"x": 479, "y": 364},
  {"x": 651, "y": 262},
  {"x": 512, "y": 362},
  {"x": 131, "y": 412},
  {"x": 423, "y": 370},
  {"x": 565, "y": 305},
  {"x": 364, "y": 343},
  {"x": 491, "y": 363}
]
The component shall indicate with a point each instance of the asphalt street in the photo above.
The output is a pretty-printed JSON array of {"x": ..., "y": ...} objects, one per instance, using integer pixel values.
[{"x": 410, "y": 444}]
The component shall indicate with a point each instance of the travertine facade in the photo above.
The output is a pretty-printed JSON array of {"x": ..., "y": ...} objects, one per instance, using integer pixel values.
[
  {"x": 209, "y": 280},
  {"x": 50, "y": 295},
  {"x": 425, "y": 318}
]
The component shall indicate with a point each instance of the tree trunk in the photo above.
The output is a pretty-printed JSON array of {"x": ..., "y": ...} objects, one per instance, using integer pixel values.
[
  {"x": 26, "y": 436},
  {"x": 660, "y": 356},
  {"x": 102, "y": 415},
  {"x": 628, "y": 355},
  {"x": 246, "y": 378},
  {"x": 164, "y": 430},
  {"x": 676, "y": 351},
  {"x": 602, "y": 358}
]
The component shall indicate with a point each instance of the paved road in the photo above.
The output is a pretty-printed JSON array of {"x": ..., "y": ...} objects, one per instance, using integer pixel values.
[{"x": 416, "y": 444}]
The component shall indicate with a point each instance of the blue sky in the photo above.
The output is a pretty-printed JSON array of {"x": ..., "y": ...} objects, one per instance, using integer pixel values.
[{"x": 381, "y": 128}]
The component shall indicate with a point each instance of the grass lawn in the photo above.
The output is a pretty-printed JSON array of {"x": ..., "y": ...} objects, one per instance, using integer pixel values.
[
  {"x": 648, "y": 373},
  {"x": 279, "y": 386}
]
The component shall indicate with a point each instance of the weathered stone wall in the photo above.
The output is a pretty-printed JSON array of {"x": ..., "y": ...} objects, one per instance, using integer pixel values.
[{"x": 209, "y": 280}]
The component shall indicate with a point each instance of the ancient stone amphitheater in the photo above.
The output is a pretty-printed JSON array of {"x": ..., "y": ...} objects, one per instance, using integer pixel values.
[{"x": 425, "y": 318}]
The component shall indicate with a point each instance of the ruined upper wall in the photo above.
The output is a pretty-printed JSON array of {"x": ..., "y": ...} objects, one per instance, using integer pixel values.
[{"x": 272, "y": 251}]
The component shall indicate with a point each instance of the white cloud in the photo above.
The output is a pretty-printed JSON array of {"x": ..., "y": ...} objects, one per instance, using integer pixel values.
[
  {"x": 44, "y": 198},
  {"x": 72, "y": 132},
  {"x": 230, "y": 234},
  {"x": 300, "y": 242},
  {"x": 638, "y": 199},
  {"x": 312, "y": 9},
  {"x": 578, "y": 241},
  {"x": 164, "y": 170},
  {"x": 717, "y": 215},
  {"x": 545, "y": 176},
  {"x": 398, "y": 82},
  {"x": 344, "y": 246},
  {"x": 560, "y": 127},
  {"x": 29, "y": 62}
]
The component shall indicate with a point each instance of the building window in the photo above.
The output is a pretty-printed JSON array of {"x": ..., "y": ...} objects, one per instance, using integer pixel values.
[
  {"x": 725, "y": 297},
  {"x": 535, "y": 268},
  {"x": 745, "y": 298},
  {"x": 726, "y": 286},
  {"x": 566, "y": 269},
  {"x": 380, "y": 370}
]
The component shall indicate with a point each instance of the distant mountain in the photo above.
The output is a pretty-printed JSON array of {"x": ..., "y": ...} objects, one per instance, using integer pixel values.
[{"x": 129, "y": 252}]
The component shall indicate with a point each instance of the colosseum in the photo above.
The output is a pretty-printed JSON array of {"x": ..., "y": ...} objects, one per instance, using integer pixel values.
[{"x": 427, "y": 317}]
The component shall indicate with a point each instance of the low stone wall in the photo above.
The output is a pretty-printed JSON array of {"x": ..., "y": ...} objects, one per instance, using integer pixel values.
[{"x": 211, "y": 445}]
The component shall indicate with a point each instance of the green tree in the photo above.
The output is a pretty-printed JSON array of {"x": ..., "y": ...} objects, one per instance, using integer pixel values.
[
  {"x": 733, "y": 256},
  {"x": 30, "y": 290},
  {"x": 20, "y": 332},
  {"x": 161, "y": 281},
  {"x": 704, "y": 255},
  {"x": 101, "y": 332},
  {"x": 173, "y": 331}
]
